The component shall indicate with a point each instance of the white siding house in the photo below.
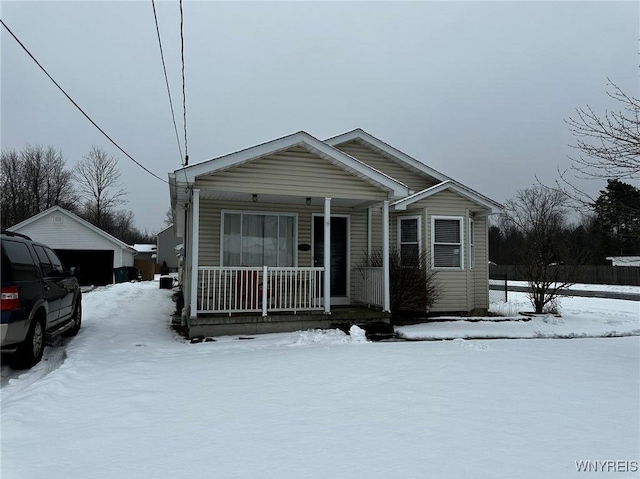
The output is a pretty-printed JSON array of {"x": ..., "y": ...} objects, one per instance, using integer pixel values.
[{"x": 286, "y": 227}]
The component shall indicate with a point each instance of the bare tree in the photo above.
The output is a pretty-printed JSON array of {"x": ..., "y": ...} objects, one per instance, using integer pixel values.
[
  {"x": 98, "y": 180},
  {"x": 609, "y": 143},
  {"x": 608, "y": 146},
  {"x": 168, "y": 218},
  {"x": 539, "y": 215},
  {"x": 33, "y": 180}
]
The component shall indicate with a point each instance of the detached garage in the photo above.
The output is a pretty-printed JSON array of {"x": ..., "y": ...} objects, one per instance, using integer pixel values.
[{"x": 78, "y": 243}]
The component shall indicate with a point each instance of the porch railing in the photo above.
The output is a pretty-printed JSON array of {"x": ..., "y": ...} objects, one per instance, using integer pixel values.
[
  {"x": 258, "y": 290},
  {"x": 369, "y": 286}
]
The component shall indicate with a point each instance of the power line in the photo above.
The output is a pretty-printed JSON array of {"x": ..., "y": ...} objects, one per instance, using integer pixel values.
[
  {"x": 184, "y": 97},
  {"x": 77, "y": 106},
  {"x": 166, "y": 79}
]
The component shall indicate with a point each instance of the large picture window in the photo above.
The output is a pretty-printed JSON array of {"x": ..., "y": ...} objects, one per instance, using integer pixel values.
[
  {"x": 258, "y": 239},
  {"x": 409, "y": 243},
  {"x": 446, "y": 234}
]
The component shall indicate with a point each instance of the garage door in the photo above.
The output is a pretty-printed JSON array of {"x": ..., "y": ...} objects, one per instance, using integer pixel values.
[{"x": 96, "y": 266}]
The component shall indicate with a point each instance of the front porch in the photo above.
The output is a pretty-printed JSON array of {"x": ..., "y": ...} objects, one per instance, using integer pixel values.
[
  {"x": 266, "y": 290},
  {"x": 253, "y": 300}
]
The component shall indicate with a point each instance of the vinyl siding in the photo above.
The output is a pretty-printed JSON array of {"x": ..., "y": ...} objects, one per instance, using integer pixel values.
[
  {"x": 211, "y": 214},
  {"x": 376, "y": 160},
  {"x": 167, "y": 242},
  {"x": 481, "y": 270},
  {"x": 295, "y": 172},
  {"x": 465, "y": 289},
  {"x": 462, "y": 290}
]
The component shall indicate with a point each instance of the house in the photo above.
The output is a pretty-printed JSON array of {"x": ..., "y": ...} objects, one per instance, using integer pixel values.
[
  {"x": 624, "y": 260},
  {"x": 166, "y": 243},
  {"x": 259, "y": 255},
  {"x": 79, "y": 244}
]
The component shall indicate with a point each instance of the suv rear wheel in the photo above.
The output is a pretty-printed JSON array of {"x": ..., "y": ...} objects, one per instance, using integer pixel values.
[{"x": 30, "y": 351}]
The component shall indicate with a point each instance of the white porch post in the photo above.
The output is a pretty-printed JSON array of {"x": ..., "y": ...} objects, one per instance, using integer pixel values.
[
  {"x": 327, "y": 255},
  {"x": 186, "y": 271},
  {"x": 195, "y": 235},
  {"x": 369, "y": 222},
  {"x": 385, "y": 257}
]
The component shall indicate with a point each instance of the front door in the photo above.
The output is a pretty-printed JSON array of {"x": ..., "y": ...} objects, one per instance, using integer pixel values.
[{"x": 339, "y": 250}]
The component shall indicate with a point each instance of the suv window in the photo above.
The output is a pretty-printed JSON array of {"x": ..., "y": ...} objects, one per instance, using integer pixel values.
[
  {"x": 45, "y": 263},
  {"x": 58, "y": 268},
  {"x": 22, "y": 267}
]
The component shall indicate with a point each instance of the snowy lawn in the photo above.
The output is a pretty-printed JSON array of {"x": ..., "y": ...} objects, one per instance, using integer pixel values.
[
  {"x": 127, "y": 398},
  {"x": 614, "y": 288},
  {"x": 580, "y": 318}
]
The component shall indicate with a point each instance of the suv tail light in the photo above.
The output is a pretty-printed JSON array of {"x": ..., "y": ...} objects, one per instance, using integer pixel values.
[{"x": 10, "y": 298}]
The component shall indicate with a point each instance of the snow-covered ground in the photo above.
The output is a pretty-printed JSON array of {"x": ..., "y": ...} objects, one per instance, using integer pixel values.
[
  {"x": 613, "y": 288},
  {"x": 580, "y": 318},
  {"x": 127, "y": 398}
]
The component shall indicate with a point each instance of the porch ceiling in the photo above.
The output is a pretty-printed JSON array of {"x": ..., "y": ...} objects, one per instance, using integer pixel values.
[{"x": 211, "y": 194}]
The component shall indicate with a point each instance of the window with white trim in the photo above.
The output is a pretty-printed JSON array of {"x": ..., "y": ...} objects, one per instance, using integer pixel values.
[
  {"x": 409, "y": 240},
  {"x": 446, "y": 242},
  {"x": 472, "y": 257},
  {"x": 258, "y": 239}
]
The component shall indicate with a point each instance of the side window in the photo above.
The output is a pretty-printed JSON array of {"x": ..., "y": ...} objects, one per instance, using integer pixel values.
[
  {"x": 446, "y": 242},
  {"x": 409, "y": 243},
  {"x": 58, "y": 268},
  {"x": 45, "y": 263},
  {"x": 23, "y": 267}
]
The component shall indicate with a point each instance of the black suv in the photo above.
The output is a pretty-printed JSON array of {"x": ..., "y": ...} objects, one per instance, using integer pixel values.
[{"x": 40, "y": 299}]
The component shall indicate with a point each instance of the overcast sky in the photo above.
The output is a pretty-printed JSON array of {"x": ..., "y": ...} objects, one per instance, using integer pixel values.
[{"x": 476, "y": 90}]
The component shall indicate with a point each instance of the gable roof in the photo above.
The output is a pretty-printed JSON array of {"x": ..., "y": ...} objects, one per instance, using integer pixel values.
[
  {"x": 386, "y": 150},
  {"x": 454, "y": 186},
  {"x": 338, "y": 158},
  {"x": 58, "y": 209}
]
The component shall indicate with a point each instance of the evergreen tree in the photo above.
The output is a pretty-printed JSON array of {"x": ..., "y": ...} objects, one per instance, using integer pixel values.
[{"x": 617, "y": 212}]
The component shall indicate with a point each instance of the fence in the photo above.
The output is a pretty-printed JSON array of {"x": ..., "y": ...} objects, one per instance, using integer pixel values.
[
  {"x": 590, "y": 274},
  {"x": 498, "y": 291}
]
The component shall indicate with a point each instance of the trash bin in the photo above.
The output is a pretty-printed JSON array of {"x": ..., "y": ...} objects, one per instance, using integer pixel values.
[
  {"x": 124, "y": 274},
  {"x": 166, "y": 282},
  {"x": 121, "y": 275}
]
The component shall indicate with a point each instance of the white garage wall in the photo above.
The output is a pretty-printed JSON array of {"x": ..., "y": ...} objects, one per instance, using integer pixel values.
[{"x": 62, "y": 230}]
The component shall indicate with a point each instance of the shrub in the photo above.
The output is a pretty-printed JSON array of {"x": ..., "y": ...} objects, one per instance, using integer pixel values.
[{"x": 413, "y": 288}]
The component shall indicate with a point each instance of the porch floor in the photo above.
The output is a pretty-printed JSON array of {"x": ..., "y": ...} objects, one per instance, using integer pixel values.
[{"x": 207, "y": 325}]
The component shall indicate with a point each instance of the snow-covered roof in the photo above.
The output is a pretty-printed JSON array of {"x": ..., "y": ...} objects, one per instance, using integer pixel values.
[
  {"x": 145, "y": 248},
  {"x": 624, "y": 260}
]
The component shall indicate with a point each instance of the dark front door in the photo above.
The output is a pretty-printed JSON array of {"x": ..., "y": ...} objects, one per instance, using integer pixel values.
[{"x": 339, "y": 264}]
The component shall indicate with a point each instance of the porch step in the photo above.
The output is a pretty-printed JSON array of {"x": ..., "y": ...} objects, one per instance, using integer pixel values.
[{"x": 225, "y": 325}]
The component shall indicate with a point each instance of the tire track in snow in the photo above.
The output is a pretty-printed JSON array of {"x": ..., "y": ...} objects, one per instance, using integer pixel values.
[{"x": 13, "y": 381}]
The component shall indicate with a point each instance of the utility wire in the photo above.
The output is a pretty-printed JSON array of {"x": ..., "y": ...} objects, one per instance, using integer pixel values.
[
  {"x": 166, "y": 80},
  {"x": 77, "y": 106},
  {"x": 184, "y": 97}
]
